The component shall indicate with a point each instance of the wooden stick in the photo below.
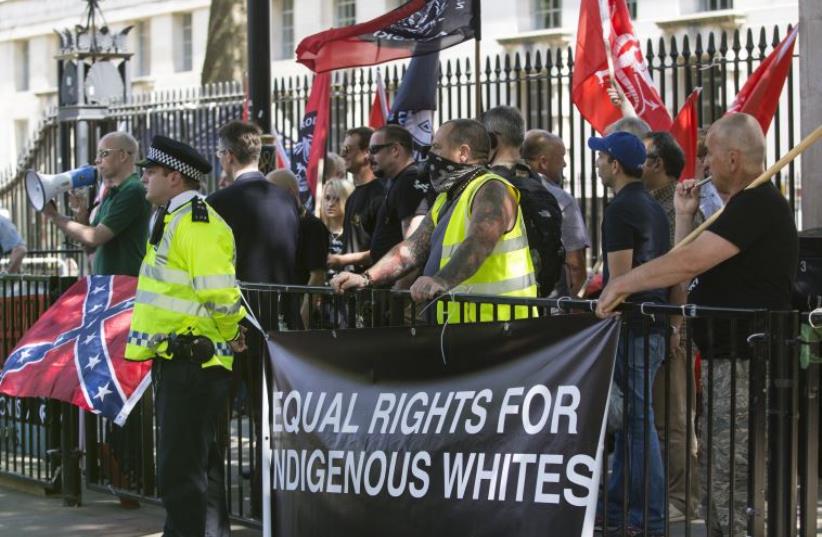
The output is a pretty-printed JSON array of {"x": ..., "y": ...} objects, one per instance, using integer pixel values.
[{"x": 765, "y": 177}]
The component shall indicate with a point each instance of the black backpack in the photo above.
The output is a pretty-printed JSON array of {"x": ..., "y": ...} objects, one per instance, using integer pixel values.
[{"x": 543, "y": 223}]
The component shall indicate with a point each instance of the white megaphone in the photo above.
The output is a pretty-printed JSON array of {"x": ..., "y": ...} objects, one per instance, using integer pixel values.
[{"x": 42, "y": 188}]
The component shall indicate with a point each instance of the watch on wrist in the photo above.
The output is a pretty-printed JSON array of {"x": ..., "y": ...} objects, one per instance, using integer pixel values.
[{"x": 368, "y": 281}]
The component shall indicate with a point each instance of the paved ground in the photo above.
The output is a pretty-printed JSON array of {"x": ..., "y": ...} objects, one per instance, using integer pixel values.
[{"x": 26, "y": 515}]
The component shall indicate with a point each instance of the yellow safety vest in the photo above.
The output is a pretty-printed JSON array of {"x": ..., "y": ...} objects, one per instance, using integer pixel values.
[
  {"x": 187, "y": 285},
  {"x": 507, "y": 271}
]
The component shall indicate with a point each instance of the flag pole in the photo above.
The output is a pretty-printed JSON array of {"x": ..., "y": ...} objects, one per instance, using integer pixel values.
[{"x": 477, "y": 40}]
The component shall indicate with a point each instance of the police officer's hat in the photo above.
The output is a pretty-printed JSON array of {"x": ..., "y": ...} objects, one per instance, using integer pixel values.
[{"x": 176, "y": 156}]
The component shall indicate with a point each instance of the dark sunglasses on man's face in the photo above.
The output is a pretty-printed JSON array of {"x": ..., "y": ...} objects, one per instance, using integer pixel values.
[{"x": 374, "y": 149}]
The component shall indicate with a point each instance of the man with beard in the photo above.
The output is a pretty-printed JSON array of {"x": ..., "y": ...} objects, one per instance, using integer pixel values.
[
  {"x": 391, "y": 150},
  {"x": 458, "y": 242}
]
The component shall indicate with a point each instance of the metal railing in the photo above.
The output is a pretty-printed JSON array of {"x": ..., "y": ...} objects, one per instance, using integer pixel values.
[
  {"x": 30, "y": 429},
  {"x": 779, "y": 475},
  {"x": 536, "y": 81}
]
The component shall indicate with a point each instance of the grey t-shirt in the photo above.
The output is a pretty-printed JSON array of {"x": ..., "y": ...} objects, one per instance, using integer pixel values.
[
  {"x": 574, "y": 233},
  {"x": 9, "y": 238}
]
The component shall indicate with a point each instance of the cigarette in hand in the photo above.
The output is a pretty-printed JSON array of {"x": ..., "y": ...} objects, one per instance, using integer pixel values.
[{"x": 699, "y": 183}]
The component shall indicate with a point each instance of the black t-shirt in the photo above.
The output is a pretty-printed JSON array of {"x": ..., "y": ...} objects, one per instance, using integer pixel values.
[
  {"x": 405, "y": 193},
  {"x": 634, "y": 221},
  {"x": 361, "y": 215},
  {"x": 312, "y": 247},
  {"x": 335, "y": 246},
  {"x": 760, "y": 223}
]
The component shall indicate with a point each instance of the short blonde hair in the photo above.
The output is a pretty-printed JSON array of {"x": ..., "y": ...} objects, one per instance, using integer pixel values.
[{"x": 341, "y": 188}]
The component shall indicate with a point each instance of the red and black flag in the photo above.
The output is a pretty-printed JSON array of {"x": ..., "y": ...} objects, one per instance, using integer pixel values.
[{"x": 416, "y": 28}]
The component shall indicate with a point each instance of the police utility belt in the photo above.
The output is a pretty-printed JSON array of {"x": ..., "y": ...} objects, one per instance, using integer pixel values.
[{"x": 191, "y": 348}]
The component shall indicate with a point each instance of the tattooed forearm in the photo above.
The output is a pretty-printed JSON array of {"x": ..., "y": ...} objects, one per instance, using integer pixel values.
[
  {"x": 406, "y": 256},
  {"x": 492, "y": 210}
]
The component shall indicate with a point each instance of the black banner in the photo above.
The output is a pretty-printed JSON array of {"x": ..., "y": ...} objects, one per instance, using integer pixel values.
[{"x": 481, "y": 430}]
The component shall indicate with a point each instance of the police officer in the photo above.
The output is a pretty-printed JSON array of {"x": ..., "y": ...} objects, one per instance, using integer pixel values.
[{"x": 186, "y": 316}]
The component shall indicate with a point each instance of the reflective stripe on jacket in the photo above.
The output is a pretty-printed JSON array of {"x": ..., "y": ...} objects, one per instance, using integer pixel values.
[
  {"x": 187, "y": 286},
  {"x": 507, "y": 271}
]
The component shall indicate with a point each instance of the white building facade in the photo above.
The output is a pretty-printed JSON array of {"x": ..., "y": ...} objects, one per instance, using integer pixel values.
[{"x": 169, "y": 38}]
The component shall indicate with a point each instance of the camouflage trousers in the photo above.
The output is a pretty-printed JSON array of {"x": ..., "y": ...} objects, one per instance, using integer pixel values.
[
  {"x": 724, "y": 470},
  {"x": 671, "y": 388}
]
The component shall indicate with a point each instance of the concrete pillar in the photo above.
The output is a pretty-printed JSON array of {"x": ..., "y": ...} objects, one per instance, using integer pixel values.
[{"x": 810, "y": 92}]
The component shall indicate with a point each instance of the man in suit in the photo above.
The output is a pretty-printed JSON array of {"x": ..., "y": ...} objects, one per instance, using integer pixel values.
[
  {"x": 265, "y": 223},
  {"x": 262, "y": 216}
]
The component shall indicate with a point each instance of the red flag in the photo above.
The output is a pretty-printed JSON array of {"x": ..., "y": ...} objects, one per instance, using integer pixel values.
[
  {"x": 631, "y": 70},
  {"x": 313, "y": 130},
  {"x": 379, "y": 108},
  {"x": 685, "y": 131},
  {"x": 589, "y": 86},
  {"x": 592, "y": 75},
  {"x": 759, "y": 96},
  {"x": 75, "y": 351},
  {"x": 416, "y": 28},
  {"x": 282, "y": 159}
]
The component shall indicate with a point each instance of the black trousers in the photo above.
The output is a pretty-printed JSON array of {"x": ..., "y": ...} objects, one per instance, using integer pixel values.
[{"x": 189, "y": 402}]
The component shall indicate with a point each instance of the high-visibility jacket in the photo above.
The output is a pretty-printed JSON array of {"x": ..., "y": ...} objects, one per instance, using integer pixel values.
[
  {"x": 187, "y": 286},
  {"x": 507, "y": 271}
]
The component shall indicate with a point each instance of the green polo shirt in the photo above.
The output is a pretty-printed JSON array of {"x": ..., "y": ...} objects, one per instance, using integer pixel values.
[{"x": 125, "y": 211}]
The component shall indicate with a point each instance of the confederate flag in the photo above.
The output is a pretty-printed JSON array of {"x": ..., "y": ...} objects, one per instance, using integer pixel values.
[
  {"x": 416, "y": 28},
  {"x": 74, "y": 352}
]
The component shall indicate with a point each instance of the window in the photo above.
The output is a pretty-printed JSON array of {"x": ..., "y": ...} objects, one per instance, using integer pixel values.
[
  {"x": 632, "y": 8},
  {"x": 21, "y": 134},
  {"x": 287, "y": 32},
  {"x": 22, "y": 66},
  {"x": 714, "y": 5},
  {"x": 184, "y": 50},
  {"x": 142, "y": 48},
  {"x": 345, "y": 12},
  {"x": 547, "y": 14}
]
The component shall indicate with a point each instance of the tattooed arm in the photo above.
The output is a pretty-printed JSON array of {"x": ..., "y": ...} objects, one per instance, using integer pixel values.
[
  {"x": 399, "y": 261},
  {"x": 494, "y": 212}
]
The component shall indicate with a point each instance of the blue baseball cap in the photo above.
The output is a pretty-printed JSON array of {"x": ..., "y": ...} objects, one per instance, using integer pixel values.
[{"x": 626, "y": 148}]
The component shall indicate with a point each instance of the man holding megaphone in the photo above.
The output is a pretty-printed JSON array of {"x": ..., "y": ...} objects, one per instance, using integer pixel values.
[{"x": 118, "y": 232}]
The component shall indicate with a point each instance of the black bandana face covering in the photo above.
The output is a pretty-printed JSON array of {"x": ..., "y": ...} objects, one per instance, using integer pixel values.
[{"x": 444, "y": 173}]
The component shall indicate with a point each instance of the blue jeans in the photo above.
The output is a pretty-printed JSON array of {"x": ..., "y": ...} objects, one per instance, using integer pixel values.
[{"x": 633, "y": 384}]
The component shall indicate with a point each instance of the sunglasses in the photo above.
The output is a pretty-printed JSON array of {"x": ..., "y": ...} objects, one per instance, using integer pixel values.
[{"x": 374, "y": 149}]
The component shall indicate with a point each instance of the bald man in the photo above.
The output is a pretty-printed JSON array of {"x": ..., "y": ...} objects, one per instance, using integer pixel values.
[
  {"x": 312, "y": 245},
  {"x": 746, "y": 259},
  {"x": 117, "y": 235},
  {"x": 545, "y": 154}
]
